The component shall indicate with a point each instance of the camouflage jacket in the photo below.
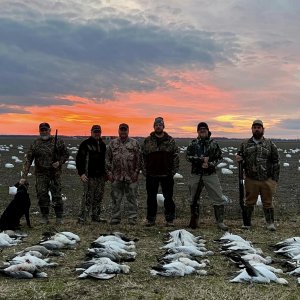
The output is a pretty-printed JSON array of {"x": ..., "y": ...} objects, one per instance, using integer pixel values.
[
  {"x": 260, "y": 161},
  {"x": 43, "y": 154},
  {"x": 199, "y": 148},
  {"x": 161, "y": 155},
  {"x": 123, "y": 159}
]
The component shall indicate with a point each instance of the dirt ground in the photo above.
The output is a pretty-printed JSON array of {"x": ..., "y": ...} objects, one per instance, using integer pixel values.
[{"x": 62, "y": 282}]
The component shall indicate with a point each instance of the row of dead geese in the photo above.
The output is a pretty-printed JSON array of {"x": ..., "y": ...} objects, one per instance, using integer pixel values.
[
  {"x": 182, "y": 255},
  {"x": 254, "y": 266},
  {"x": 31, "y": 261},
  {"x": 104, "y": 258}
]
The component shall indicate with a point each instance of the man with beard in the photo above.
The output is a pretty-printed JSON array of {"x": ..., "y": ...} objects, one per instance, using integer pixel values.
[
  {"x": 90, "y": 164},
  {"x": 123, "y": 165},
  {"x": 161, "y": 162},
  {"x": 260, "y": 160},
  {"x": 49, "y": 154},
  {"x": 204, "y": 153}
]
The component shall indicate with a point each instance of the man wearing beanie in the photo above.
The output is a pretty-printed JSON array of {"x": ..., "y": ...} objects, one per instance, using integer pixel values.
[
  {"x": 204, "y": 153},
  {"x": 161, "y": 162},
  {"x": 260, "y": 159}
]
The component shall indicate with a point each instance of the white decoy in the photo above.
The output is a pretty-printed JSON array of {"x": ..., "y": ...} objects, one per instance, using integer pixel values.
[{"x": 289, "y": 251}]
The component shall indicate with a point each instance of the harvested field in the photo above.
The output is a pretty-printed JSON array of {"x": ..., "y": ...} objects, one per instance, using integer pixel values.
[{"x": 63, "y": 284}]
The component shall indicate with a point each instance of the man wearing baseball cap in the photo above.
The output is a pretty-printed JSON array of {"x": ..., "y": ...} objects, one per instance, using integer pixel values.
[
  {"x": 260, "y": 160},
  {"x": 49, "y": 154},
  {"x": 123, "y": 165},
  {"x": 90, "y": 164}
]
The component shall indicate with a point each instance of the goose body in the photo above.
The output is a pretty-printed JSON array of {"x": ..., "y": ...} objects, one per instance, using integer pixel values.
[{"x": 104, "y": 269}]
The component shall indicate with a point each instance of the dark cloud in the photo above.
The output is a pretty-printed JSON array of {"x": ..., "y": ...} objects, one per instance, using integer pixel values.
[
  {"x": 99, "y": 58},
  {"x": 6, "y": 110}
]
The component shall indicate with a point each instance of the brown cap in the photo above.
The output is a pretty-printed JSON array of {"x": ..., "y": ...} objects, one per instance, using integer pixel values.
[
  {"x": 123, "y": 126},
  {"x": 96, "y": 128},
  {"x": 258, "y": 122},
  {"x": 44, "y": 126}
]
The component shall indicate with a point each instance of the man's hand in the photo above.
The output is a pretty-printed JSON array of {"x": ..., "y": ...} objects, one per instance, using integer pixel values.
[
  {"x": 238, "y": 158},
  {"x": 134, "y": 178},
  {"x": 22, "y": 181},
  {"x": 110, "y": 178},
  {"x": 205, "y": 162},
  {"x": 84, "y": 178},
  {"x": 55, "y": 165}
]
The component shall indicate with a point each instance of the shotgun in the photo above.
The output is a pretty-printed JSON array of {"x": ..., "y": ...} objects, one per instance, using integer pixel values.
[
  {"x": 54, "y": 154},
  {"x": 242, "y": 192}
]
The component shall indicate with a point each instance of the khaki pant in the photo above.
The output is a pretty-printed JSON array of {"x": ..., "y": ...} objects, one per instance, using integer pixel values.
[
  {"x": 212, "y": 186},
  {"x": 266, "y": 189},
  {"x": 119, "y": 189}
]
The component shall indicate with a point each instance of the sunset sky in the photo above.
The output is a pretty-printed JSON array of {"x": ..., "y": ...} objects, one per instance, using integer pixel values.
[{"x": 75, "y": 63}]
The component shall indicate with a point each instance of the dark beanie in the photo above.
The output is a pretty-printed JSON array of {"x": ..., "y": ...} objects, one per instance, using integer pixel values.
[{"x": 202, "y": 125}]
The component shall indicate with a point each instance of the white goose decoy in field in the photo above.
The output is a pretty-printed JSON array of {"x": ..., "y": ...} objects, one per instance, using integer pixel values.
[{"x": 229, "y": 237}]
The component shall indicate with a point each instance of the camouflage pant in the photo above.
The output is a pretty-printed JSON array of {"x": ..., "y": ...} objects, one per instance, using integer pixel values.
[
  {"x": 91, "y": 201},
  {"x": 44, "y": 184},
  {"x": 119, "y": 189}
]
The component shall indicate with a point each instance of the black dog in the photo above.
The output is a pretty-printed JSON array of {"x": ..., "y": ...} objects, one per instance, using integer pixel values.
[{"x": 18, "y": 207}]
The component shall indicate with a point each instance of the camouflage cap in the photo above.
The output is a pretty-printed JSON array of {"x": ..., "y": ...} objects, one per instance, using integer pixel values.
[{"x": 258, "y": 122}]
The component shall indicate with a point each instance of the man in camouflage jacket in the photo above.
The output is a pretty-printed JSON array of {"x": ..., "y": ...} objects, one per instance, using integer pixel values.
[
  {"x": 204, "y": 153},
  {"x": 123, "y": 165},
  {"x": 48, "y": 161},
  {"x": 260, "y": 160},
  {"x": 161, "y": 162},
  {"x": 90, "y": 164}
]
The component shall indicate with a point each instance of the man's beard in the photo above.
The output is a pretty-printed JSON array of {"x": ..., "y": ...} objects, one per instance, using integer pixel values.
[
  {"x": 258, "y": 135},
  {"x": 45, "y": 137}
]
